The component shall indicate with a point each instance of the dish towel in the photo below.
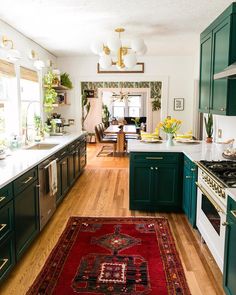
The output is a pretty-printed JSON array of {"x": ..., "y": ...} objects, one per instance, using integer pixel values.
[{"x": 53, "y": 177}]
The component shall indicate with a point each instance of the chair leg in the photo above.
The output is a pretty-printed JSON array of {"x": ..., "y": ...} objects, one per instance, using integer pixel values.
[{"x": 114, "y": 149}]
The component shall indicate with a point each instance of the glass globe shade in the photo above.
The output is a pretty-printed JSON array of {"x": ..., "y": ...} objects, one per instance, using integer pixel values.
[
  {"x": 105, "y": 61},
  {"x": 114, "y": 44},
  {"x": 13, "y": 55},
  {"x": 137, "y": 45},
  {"x": 130, "y": 60},
  {"x": 97, "y": 47},
  {"x": 144, "y": 51},
  {"x": 39, "y": 64}
]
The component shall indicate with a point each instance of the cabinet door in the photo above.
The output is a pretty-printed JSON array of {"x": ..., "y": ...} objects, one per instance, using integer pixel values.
[
  {"x": 230, "y": 258},
  {"x": 187, "y": 192},
  {"x": 141, "y": 186},
  {"x": 167, "y": 187},
  {"x": 64, "y": 175},
  {"x": 77, "y": 161},
  {"x": 26, "y": 218},
  {"x": 71, "y": 167},
  {"x": 193, "y": 205},
  {"x": 221, "y": 45},
  {"x": 205, "y": 73},
  {"x": 7, "y": 256}
]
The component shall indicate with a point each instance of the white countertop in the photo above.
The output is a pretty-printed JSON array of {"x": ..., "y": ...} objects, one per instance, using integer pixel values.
[
  {"x": 22, "y": 160},
  {"x": 195, "y": 152}
]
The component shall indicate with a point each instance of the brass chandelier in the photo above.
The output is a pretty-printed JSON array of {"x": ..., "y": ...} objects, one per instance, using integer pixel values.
[{"x": 125, "y": 56}]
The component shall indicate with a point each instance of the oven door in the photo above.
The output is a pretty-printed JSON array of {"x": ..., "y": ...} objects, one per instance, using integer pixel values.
[{"x": 211, "y": 220}]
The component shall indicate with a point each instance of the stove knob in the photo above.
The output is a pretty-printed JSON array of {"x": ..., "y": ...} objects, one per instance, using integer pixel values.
[{"x": 223, "y": 194}]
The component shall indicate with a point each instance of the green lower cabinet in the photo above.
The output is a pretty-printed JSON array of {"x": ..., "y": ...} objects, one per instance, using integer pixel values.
[
  {"x": 190, "y": 190},
  {"x": 155, "y": 182},
  {"x": 26, "y": 218},
  {"x": 7, "y": 256},
  {"x": 229, "y": 275}
]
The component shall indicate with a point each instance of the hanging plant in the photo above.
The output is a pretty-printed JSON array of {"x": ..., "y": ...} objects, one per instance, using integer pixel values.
[
  {"x": 66, "y": 81},
  {"x": 50, "y": 94}
]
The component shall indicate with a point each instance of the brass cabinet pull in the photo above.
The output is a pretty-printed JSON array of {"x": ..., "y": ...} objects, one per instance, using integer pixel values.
[
  {"x": 2, "y": 198},
  {"x": 222, "y": 109},
  {"x": 154, "y": 158},
  {"x": 4, "y": 261},
  {"x": 156, "y": 168},
  {"x": 193, "y": 169},
  {"x": 27, "y": 180},
  {"x": 151, "y": 168},
  {"x": 2, "y": 225},
  {"x": 225, "y": 223},
  {"x": 209, "y": 198},
  {"x": 187, "y": 176},
  {"x": 233, "y": 212},
  {"x": 63, "y": 163}
]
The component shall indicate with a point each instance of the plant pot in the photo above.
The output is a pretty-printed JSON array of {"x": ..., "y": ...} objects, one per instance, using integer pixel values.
[{"x": 209, "y": 139}]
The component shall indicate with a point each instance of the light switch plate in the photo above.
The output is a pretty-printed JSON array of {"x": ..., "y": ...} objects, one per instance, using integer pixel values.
[{"x": 219, "y": 133}]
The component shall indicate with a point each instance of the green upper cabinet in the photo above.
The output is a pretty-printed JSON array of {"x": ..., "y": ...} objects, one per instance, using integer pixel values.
[
  {"x": 205, "y": 73},
  {"x": 217, "y": 51}
]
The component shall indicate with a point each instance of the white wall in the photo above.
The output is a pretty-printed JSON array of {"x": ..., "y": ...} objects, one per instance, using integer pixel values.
[
  {"x": 227, "y": 125},
  {"x": 177, "y": 72},
  {"x": 24, "y": 45}
]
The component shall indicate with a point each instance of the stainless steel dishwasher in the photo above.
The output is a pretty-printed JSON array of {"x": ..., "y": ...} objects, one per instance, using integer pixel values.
[{"x": 47, "y": 200}]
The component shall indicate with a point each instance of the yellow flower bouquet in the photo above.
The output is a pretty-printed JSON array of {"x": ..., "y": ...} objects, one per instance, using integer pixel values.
[{"x": 170, "y": 125}]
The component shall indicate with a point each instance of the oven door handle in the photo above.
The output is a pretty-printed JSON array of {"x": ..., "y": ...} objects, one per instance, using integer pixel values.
[{"x": 217, "y": 207}]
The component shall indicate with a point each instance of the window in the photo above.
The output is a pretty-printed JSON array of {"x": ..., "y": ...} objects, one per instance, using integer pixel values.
[
  {"x": 134, "y": 106},
  {"x": 30, "y": 101},
  {"x": 118, "y": 109},
  {"x": 8, "y": 100}
]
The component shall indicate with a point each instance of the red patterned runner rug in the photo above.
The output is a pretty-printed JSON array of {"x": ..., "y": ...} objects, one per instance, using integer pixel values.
[{"x": 104, "y": 256}]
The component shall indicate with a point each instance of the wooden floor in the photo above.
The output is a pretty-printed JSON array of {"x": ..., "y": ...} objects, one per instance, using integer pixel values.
[{"x": 102, "y": 190}]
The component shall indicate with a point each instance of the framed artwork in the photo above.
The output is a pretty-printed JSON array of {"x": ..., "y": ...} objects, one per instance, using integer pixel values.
[
  {"x": 89, "y": 93},
  {"x": 139, "y": 68},
  {"x": 178, "y": 104}
]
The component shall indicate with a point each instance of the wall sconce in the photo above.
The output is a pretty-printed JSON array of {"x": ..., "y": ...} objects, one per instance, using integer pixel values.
[
  {"x": 38, "y": 63},
  {"x": 12, "y": 54}
]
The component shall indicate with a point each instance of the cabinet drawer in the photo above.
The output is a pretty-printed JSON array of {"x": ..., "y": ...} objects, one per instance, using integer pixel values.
[
  {"x": 7, "y": 256},
  {"x": 231, "y": 208},
  {"x": 5, "y": 194},
  {"x": 62, "y": 153},
  {"x": 6, "y": 220},
  {"x": 25, "y": 180},
  {"x": 158, "y": 157}
]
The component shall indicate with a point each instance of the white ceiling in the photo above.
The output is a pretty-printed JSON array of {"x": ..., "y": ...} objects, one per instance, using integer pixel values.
[{"x": 68, "y": 27}]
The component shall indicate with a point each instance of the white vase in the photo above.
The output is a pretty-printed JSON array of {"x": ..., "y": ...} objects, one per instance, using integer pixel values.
[{"x": 169, "y": 141}]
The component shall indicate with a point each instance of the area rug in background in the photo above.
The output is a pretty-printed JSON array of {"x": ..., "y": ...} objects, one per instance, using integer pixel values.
[
  {"x": 106, "y": 151},
  {"x": 105, "y": 256}
]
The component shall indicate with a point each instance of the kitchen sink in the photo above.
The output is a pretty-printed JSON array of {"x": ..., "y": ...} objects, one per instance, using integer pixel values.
[{"x": 42, "y": 146}]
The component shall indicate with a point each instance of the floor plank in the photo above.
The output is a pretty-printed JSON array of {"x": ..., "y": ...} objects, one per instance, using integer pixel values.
[{"x": 102, "y": 190}]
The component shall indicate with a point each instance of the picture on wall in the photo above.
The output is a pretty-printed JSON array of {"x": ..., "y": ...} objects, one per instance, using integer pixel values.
[
  {"x": 89, "y": 93},
  {"x": 178, "y": 104}
]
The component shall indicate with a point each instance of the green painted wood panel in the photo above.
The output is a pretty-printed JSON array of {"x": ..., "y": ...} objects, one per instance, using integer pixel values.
[
  {"x": 220, "y": 60},
  {"x": 7, "y": 256},
  {"x": 229, "y": 274},
  {"x": 205, "y": 73},
  {"x": 6, "y": 220},
  {"x": 26, "y": 218}
]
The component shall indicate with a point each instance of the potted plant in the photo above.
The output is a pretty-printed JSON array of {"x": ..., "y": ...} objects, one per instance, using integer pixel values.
[
  {"x": 209, "y": 127},
  {"x": 105, "y": 115},
  {"x": 66, "y": 81}
]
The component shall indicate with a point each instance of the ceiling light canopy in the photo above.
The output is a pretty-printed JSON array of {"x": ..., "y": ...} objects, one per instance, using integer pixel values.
[
  {"x": 11, "y": 53},
  {"x": 125, "y": 57}
]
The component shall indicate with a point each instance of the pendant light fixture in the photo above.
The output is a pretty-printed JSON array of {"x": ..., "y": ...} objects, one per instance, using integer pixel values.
[{"x": 125, "y": 56}]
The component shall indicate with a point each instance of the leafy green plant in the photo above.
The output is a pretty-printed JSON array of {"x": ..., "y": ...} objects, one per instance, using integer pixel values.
[
  {"x": 209, "y": 125},
  {"x": 65, "y": 80},
  {"x": 156, "y": 104},
  {"x": 85, "y": 108},
  {"x": 50, "y": 94},
  {"x": 105, "y": 115},
  {"x": 136, "y": 121}
]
